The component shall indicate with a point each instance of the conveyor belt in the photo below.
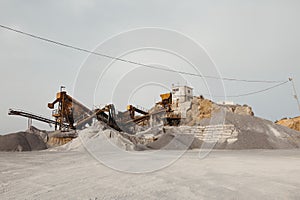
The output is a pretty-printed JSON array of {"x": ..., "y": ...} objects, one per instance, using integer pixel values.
[{"x": 32, "y": 116}]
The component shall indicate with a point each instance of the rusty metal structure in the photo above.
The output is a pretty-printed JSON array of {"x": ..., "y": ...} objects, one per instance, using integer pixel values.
[
  {"x": 133, "y": 109},
  {"x": 166, "y": 100},
  {"x": 170, "y": 118},
  {"x": 70, "y": 114},
  {"x": 137, "y": 115},
  {"x": 76, "y": 115},
  {"x": 68, "y": 110}
]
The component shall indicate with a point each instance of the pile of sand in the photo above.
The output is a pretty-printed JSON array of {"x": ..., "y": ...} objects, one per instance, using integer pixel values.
[
  {"x": 97, "y": 135},
  {"x": 259, "y": 133},
  {"x": 242, "y": 131},
  {"x": 249, "y": 132},
  {"x": 21, "y": 141},
  {"x": 201, "y": 108},
  {"x": 245, "y": 132},
  {"x": 30, "y": 140}
]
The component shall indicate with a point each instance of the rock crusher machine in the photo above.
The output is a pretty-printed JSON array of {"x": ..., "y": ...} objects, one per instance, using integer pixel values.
[{"x": 71, "y": 114}]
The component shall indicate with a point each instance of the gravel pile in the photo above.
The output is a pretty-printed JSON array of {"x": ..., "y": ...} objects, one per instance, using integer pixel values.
[
  {"x": 257, "y": 133},
  {"x": 252, "y": 133},
  {"x": 94, "y": 137},
  {"x": 21, "y": 141},
  {"x": 249, "y": 132}
]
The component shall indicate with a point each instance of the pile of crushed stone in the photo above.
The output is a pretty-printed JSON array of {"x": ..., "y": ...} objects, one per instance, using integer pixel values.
[
  {"x": 211, "y": 125},
  {"x": 236, "y": 127},
  {"x": 244, "y": 132},
  {"x": 241, "y": 132},
  {"x": 259, "y": 133},
  {"x": 97, "y": 135},
  {"x": 22, "y": 141}
]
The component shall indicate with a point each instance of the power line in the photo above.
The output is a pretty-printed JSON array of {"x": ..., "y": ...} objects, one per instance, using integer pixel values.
[
  {"x": 129, "y": 61},
  {"x": 155, "y": 67},
  {"x": 295, "y": 92},
  {"x": 255, "y": 92}
]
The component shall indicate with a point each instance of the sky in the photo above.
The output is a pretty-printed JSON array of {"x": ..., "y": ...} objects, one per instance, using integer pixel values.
[{"x": 241, "y": 39}]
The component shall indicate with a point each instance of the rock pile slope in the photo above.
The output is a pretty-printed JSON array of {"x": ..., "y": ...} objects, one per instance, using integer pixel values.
[
  {"x": 293, "y": 123},
  {"x": 205, "y": 125},
  {"x": 21, "y": 141}
]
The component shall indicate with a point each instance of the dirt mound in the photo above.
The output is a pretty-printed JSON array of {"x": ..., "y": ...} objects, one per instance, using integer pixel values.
[
  {"x": 233, "y": 127},
  {"x": 202, "y": 108},
  {"x": 239, "y": 131},
  {"x": 21, "y": 141},
  {"x": 95, "y": 137},
  {"x": 30, "y": 140},
  {"x": 58, "y": 138},
  {"x": 293, "y": 123},
  {"x": 259, "y": 133},
  {"x": 175, "y": 141}
]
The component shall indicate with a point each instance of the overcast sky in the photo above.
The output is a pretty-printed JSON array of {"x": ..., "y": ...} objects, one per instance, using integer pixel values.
[{"x": 256, "y": 39}]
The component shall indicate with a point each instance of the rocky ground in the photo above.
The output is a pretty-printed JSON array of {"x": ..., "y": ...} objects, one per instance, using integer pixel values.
[
  {"x": 251, "y": 174},
  {"x": 265, "y": 167}
]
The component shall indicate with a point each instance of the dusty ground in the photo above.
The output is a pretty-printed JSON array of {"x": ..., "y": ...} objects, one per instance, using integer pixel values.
[{"x": 253, "y": 174}]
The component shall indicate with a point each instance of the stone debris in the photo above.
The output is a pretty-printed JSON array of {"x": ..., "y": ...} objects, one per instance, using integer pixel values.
[
  {"x": 203, "y": 124},
  {"x": 293, "y": 123},
  {"x": 21, "y": 141},
  {"x": 94, "y": 136}
]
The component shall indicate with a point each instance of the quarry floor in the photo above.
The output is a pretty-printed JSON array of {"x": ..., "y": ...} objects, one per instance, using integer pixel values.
[{"x": 245, "y": 174}]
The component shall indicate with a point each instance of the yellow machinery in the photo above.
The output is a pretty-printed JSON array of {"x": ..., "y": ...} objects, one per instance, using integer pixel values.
[
  {"x": 163, "y": 112},
  {"x": 170, "y": 117},
  {"x": 166, "y": 99},
  {"x": 71, "y": 114},
  {"x": 132, "y": 109},
  {"x": 137, "y": 119},
  {"x": 68, "y": 110}
]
